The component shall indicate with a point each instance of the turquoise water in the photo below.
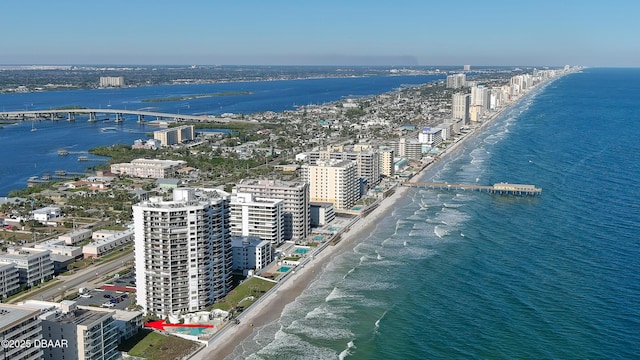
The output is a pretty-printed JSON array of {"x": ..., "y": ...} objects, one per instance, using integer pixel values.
[
  {"x": 301, "y": 251},
  {"x": 318, "y": 238},
  {"x": 284, "y": 268},
  {"x": 195, "y": 331},
  {"x": 470, "y": 275},
  {"x": 357, "y": 208}
]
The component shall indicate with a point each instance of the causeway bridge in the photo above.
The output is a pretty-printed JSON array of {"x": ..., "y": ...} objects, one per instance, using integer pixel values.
[
  {"x": 499, "y": 188},
  {"x": 92, "y": 114}
]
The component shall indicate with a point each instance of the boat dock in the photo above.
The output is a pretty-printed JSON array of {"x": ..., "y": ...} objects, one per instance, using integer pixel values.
[{"x": 499, "y": 188}]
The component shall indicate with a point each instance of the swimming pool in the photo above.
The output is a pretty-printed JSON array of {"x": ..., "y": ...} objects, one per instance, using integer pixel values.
[
  {"x": 195, "y": 331},
  {"x": 284, "y": 268},
  {"x": 318, "y": 238},
  {"x": 301, "y": 251}
]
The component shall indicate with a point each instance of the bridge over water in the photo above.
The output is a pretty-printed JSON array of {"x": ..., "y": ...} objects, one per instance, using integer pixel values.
[
  {"x": 92, "y": 114},
  {"x": 499, "y": 188}
]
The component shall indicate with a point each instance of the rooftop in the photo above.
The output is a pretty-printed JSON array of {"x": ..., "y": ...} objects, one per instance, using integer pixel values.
[{"x": 12, "y": 314}]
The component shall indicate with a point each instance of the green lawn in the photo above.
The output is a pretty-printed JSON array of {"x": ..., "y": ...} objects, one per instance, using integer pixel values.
[
  {"x": 252, "y": 287},
  {"x": 155, "y": 346}
]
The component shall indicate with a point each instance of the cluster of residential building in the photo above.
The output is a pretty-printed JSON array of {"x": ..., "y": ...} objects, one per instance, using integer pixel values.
[
  {"x": 22, "y": 267},
  {"x": 187, "y": 246},
  {"x": 47, "y": 330}
]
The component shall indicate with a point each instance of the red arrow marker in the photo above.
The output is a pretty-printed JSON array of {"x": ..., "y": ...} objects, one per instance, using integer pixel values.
[{"x": 160, "y": 325}]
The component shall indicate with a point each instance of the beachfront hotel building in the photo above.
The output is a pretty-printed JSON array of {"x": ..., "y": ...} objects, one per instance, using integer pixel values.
[
  {"x": 19, "y": 324},
  {"x": 367, "y": 159},
  {"x": 297, "y": 223},
  {"x": 430, "y": 136},
  {"x": 175, "y": 135},
  {"x": 480, "y": 98},
  {"x": 251, "y": 253},
  {"x": 149, "y": 168},
  {"x": 460, "y": 106},
  {"x": 111, "y": 81},
  {"x": 256, "y": 216},
  {"x": 334, "y": 181},
  {"x": 408, "y": 148},
  {"x": 386, "y": 163},
  {"x": 182, "y": 250},
  {"x": 87, "y": 334}
]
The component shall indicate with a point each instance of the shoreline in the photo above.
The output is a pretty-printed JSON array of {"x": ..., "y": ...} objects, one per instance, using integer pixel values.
[{"x": 269, "y": 310}]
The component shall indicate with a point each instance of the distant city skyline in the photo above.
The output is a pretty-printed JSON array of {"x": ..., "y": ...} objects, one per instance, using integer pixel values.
[{"x": 402, "y": 33}]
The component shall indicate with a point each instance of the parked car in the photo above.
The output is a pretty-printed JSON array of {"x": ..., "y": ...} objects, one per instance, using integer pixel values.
[
  {"x": 107, "y": 296},
  {"x": 108, "y": 305}
]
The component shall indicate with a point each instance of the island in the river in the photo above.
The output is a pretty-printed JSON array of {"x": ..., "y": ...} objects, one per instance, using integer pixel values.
[{"x": 191, "y": 97}]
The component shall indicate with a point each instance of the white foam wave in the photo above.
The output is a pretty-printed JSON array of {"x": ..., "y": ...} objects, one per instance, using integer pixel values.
[
  {"x": 440, "y": 232},
  {"x": 294, "y": 348},
  {"x": 348, "y": 272},
  {"x": 346, "y": 352}
]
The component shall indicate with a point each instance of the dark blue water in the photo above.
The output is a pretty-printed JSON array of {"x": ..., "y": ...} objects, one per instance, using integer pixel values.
[
  {"x": 474, "y": 276},
  {"x": 29, "y": 153}
]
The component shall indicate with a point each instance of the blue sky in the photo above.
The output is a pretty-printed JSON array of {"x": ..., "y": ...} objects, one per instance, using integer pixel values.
[{"x": 328, "y": 32}]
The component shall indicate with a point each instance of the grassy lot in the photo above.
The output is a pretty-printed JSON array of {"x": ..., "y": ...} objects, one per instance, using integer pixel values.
[
  {"x": 252, "y": 287},
  {"x": 155, "y": 346}
]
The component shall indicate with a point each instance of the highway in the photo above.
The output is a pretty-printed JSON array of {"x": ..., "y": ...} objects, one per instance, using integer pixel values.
[{"x": 82, "y": 278}]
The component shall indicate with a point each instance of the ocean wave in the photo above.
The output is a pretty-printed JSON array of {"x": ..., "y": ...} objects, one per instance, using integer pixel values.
[{"x": 346, "y": 352}]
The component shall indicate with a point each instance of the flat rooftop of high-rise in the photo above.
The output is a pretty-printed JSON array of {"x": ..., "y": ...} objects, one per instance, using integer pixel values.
[
  {"x": 270, "y": 183},
  {"x": 10, "y": 314},
  {"x": 79, "y": 317}
]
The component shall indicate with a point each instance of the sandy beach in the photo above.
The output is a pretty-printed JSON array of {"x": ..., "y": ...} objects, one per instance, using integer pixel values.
[{"x": 270, "y": 308}]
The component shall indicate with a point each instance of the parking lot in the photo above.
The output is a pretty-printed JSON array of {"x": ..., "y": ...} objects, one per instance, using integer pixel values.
[
  {"x": 128, "y": 279},
  {"x": 105, "y": 298}
]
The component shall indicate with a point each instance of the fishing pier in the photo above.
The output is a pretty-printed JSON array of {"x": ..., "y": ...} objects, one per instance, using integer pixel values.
[{"x": 499, "y": 188}]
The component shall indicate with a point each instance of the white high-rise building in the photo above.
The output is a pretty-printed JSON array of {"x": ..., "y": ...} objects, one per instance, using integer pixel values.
[
  {"x": 111, "y": 81},
  {"x": 297, "y": 223},
  {"x": 251, "y": 253},
  {"x": 82, "y": 333},
  {"x": 367, "y": 159},
  {"x": 175, "y": 135},
  {"x": 334, "y": 181},
  {"x": 255, "y": 216},
  {"x": 386, "y": 162},
  {"x": 460, "y": 106},
  {"x": 430, "y": 136},
  {"x": 481, "y": 97},
  {"x": 183, "y": 254},
  {"x": 408, "y": 148},
  {"x": 456, "y": 81}
]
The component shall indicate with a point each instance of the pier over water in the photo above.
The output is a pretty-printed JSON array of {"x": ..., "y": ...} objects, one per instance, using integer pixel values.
[{"x": 499, "y": 188}]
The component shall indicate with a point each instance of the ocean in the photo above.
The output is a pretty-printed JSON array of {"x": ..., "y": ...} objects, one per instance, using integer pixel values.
[
  {"x": 468, "y": 275},
  {"x": 27, "y": 153}
]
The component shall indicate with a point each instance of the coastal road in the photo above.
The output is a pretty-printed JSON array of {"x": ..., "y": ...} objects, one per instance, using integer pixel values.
[{"x": 81, "y": 278}]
